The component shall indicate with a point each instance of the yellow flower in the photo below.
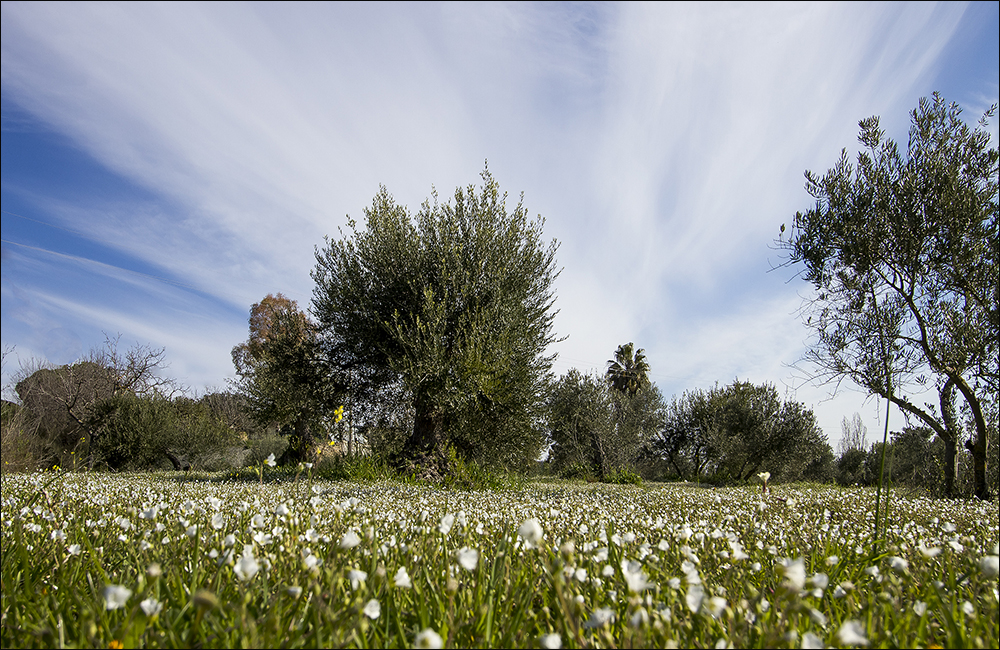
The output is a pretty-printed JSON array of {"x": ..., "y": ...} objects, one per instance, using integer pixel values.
[{"x": 115, "y": 644}]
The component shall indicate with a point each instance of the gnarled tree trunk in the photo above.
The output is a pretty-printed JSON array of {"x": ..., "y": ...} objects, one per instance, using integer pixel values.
[{"x": 425, "y": 454}]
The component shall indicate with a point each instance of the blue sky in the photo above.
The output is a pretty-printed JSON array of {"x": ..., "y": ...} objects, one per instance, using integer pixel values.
[{"x": 164, "y": 166}]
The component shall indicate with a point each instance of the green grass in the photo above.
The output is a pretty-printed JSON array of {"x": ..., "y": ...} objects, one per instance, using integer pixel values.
[{"x": 296, "y": 561}]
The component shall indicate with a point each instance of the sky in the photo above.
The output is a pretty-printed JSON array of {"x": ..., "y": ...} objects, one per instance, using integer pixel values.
[{"x": 165, "y": 166}]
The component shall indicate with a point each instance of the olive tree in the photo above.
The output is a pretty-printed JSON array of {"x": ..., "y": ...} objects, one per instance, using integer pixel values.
[
  {"x": 902, "y": 250},
  {"x": 732, "y": 432},
  {"x": 284, "y": 376},
  {"x": 455, "y": 302}
]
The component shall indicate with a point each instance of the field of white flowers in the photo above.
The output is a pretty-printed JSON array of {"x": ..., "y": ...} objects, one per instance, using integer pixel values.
[{"x": 101, "y": 560}]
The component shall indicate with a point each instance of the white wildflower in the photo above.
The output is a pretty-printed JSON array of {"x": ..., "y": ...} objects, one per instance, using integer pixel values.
[
  {"x": 989, "y": 565},
  {"x": 246, "y": 567},
  {"x": 599, "y": 618},
  {"x": 151, "y": 607},
  {"x": 852, "y": 633},
  {"x": 116, "y": 596},
  {"x": 898, "y": 564},
  {"x": 357, "y": 578},
  {"x": 446, "y": 523},
  {"x": 350, "y": 540},
  {"x": 468, "y": 558},
  {"x": 694, "y": 597},
  {"x": 372, "y": 609},
  {"x": 402, "y": 579},
  {"x": 428, "y": 639},
  {"x": 636, "y": 579},
  {"x": 795, "y": 574},
  {"x": 531, "y": 532}
]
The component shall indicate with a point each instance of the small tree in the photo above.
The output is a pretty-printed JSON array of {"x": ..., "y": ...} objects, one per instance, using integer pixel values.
[
  {"x": 853, "y": 434},
  {"x": 915, "y": 462},
  {"x": 903, "y": 252},
  {"x": 284, "y": 376},
  {"x": 580, "y": 424},
  {"x": 689, "y": 427},
  {"x": 628, "y": 371},
  {"x": 757, "y": 431},
  {"x": 637, "y": 418},
  {"x": 456, "y": 304},
  {"x": 593, "y": 426}
]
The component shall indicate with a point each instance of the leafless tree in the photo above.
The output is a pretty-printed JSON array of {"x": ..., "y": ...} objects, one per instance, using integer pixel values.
[{"x": 854, "y": 434}]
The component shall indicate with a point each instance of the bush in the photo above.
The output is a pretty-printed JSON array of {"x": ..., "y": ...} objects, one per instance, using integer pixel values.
[
  {"x": 851, "y": 467},
  {"x": 623, "y": 476},
  {"x": 354, "y": 468},
  {"x": 262, "y": 446},
  {"x": 153, "y": 432},
  {"x": 577, "y": 471},
  {"x": 20, "y": 447}
]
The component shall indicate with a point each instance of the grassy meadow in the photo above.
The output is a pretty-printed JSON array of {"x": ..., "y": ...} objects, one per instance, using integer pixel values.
[{"x": 169, "y": 560}]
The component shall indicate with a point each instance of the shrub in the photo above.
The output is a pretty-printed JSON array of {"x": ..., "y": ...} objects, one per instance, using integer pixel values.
[
  {"x": 260, "y": 447},
  {"x": 577, "y": 471},
  {"x": 20, "y": 447},
  {"x": 623, "y": 476}
]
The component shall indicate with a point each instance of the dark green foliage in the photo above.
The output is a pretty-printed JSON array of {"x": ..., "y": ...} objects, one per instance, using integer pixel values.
[
  {"x": 915, "y": 458},
  {"x": 627, "y": 372},
  {"x": 114, "y": 411},
  {"x": 822, "y": 468},
  {"x": 61, "y": 401},
  {"x": 472, "y": 475},
  {"x": 149, "y": 432},
  {"x": 577, "y": 471},
  {"x": 903, "y": 251},
  {"x": 596, "y": 430},
  {"x": 689, "y": 426},
  {"x": 623, "y": 476},
  {"x": 580, "y": 418},
  {"x": 232, "y": 409},
  {"x": 355, "y": 468},
  {"x": 456, "y": 304},
  {"x": 131, "y": 431},
  {"x": 756, "y": 432},
  {"x": 285, "y": 377},
  {"x": 638, "y": 416},
  {"x": 265, "y": 444},
  {"x": 737, "y": 431},
  {"x": 851, "y": 467},
  {"x": 64, "y": 402}
]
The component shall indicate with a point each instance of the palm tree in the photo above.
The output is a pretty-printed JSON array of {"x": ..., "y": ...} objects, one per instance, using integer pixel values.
[{"x": 627, "y": 372}]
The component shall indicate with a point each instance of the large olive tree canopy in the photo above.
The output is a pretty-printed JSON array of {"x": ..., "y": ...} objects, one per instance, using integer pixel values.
[{"x": 457, "y": 304}]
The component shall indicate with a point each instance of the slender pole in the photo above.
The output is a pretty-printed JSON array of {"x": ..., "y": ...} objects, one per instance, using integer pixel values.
[
  {"x": 881, "y": 476},
  {"x": 886, "y": 352}
]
